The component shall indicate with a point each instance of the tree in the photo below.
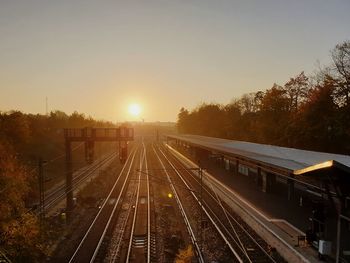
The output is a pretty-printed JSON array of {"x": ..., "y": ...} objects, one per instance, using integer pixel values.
[
  {"x": 210, "y": 120},
  {"x": 77, "y": 120},
  {"x": 183, "y": 120},
  {"x": 307, "y": 112},
  {"x": 273, "y": 116},
  {"x": 250, "y": 102},
  {"x": 297, "y": 89},
  {"x": 19, "y": 230},
  {"x": 232, "y": 120},
  {"x": 316, "y": 119},
  {"x": 341, "y": 72},
  {"x": 14, "y": 127}
]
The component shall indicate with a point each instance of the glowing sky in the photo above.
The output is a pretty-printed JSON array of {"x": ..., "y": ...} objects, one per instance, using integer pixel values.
[{"x": 99, "y": 56}]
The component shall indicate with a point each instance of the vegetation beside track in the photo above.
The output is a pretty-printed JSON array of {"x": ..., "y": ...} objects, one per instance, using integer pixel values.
[
  {"x": 307, "y": 112},
  {"x": 24, "y": 138},
  {"x": 87, "y": 206}
]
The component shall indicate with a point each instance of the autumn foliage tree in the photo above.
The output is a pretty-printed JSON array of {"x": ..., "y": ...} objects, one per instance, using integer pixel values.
[
  {"x": 316, "y": 120},
  {"x": 23, "y": 139},
  {"x": 296, "y": 90},
  {"x": 19, "y": 238},
  {"x": 274, "y": 114},
  {"x": 341, "y": 71},
  {"x": 300, "y": 113}
]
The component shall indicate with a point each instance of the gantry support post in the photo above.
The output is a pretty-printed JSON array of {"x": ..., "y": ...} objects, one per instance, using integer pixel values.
[
  {"x": 89, "y": 136},
  {"x": 201, "y": 210},
  {"x": 337, "y": 252},
  {"x": 69, "y": 179},
  {"x": 89, "y": 150},
  {"x": 41, "y": 191}
]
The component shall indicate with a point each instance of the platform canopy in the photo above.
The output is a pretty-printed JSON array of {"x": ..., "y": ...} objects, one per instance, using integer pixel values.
[{"x": 296, "y": 161}]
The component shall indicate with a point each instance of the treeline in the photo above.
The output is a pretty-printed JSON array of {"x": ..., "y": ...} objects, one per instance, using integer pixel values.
[
  {"x": 34, "y": 135},
  {"x": 307, "y": 112},
  {"x": 23, "y": 139}
]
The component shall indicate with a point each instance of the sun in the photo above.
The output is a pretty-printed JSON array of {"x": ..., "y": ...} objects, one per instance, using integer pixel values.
[{"x": 134, "y": 109}]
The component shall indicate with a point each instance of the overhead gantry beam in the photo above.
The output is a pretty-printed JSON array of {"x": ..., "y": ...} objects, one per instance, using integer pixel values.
[{"x": 89, "y": 136}]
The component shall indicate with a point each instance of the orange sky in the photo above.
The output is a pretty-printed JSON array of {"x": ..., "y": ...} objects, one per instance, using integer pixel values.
[{"x": 97, "y": 57}]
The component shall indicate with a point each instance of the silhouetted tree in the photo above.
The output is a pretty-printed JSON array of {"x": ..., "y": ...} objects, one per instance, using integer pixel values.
[
  {"x": 14, "y": 127},
  {"x": 19, "y": 230},
  {"x": 341, "y": 72},
  {"x": 274, "y": 115},
  {"x": 297, "y": 89},
  {"x": 306, "y": 114},
  {"x": 183, "y": 121},
  {"x": 232, "y": 121},
  {"x": 317, "y": 118}
]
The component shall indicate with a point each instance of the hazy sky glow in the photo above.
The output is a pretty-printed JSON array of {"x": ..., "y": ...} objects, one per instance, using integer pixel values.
[{"x": 97, "y": 57}]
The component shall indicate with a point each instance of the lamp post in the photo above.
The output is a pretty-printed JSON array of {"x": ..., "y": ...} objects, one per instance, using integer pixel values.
[
  {"x": 41, "y": 164},
  {"x": 200, "y": 173}
]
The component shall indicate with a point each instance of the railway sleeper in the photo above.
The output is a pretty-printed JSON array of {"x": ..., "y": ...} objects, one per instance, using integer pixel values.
[
  {"x": 139, "y": 241},
  {"x": 153, "y": 248}
]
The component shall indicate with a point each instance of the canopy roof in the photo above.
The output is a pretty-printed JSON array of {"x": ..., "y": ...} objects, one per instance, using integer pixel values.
[{"x": 296, "y": 161}]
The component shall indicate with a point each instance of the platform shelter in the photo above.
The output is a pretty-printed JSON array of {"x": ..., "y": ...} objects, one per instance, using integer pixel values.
[{"x": 304, "y": 176}]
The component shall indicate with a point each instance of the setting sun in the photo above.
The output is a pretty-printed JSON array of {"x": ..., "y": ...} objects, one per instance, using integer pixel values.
[{"x": 134, "y": 109}]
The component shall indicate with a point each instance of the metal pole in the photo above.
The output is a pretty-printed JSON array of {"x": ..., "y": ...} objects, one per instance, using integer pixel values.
[
  {"x": 338, "y": 231},
  {"x": 41, "y": 190},
  {"x": 201, "y": 216},
  {"x": 69, "y": 179}
]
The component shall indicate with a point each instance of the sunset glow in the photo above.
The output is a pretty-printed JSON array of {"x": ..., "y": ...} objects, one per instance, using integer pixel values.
[
  {"x": 146, "y": 131},
  {"x": 134, "y": 109}
]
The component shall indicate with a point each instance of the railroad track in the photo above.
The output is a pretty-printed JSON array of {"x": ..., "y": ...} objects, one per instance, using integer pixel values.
[
  {"x": 95, "y": 241},
  {"x": 125, "y": 228},
  {"x": 139, "y": 245},
  {"x": 169, "y": 233},
  {"x": 244, "y": 243},
  {"x": 135, "y": 241},
  {"x": 57, "y": 194},
  {"x": 190, "y": 230},
  {"x": 137, "y": 237}
]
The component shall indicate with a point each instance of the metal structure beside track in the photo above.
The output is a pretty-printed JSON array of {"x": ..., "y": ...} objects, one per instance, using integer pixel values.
[
  {"x": 135, "y": 242},
  {"x": 89, "y": 136}
]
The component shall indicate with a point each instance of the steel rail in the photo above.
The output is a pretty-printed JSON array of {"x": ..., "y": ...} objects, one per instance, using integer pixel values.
[
  {"x": 51, "y": 200},
  {"x": 231, "y": 219},
  {"x": 205, "y": 211},
  {"x": 77, "y": 181},
  {"x": 79, "y": 173},
  {"x": 136, "y": 207},
  {"x": 131, "y": 158},
  {"x": 232, "y": 227},
  {"x": 111, "y": 215},
  {"x": 251, "y": 237},
  {"x": 116, "y": 249},
  {"x": 183, "y": 213},
  {"x": 228, "y": 214},
  {"x": 236, "y": 240},
  {"x": 148, "y": 212}
]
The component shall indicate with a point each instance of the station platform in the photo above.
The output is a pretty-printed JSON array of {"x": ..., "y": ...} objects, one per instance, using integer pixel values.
[{"x": 281, "y": 225}]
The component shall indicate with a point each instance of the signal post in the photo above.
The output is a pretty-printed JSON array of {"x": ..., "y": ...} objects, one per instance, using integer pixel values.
[{"x": 89, "y": 136}]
